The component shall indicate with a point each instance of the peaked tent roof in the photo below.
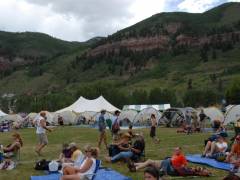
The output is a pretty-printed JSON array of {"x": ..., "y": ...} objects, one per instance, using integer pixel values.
[
  {"x": 96, "y": 105},
  {"x": 2, "y": 113}
]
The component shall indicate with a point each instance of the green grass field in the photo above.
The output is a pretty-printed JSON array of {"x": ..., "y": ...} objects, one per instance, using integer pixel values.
[{"x": 169, "y": 140}]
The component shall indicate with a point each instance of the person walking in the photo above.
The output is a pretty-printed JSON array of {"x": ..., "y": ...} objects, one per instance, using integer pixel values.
[
  {"x": 153, "y": 129},
  {"x": 102, "y": 130},
  {"x": 41, "y": 132}
]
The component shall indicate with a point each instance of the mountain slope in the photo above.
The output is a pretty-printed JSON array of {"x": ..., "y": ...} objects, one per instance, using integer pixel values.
[{"x": 174, "y": 51}]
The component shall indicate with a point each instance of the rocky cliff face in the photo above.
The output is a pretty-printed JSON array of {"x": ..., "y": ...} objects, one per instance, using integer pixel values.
[{"x": 161, "y": 42}]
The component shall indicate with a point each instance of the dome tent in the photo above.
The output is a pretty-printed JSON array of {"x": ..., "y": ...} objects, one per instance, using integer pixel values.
[
  {"x": 13, "y": 117},
  {"x": 69, "y": 117},
  {"x": 174, "y": 116},
  {"x": 49, "y": 117},
  {"x": 126, "y": 117},
  {"x": 213, "y": 113},
  {"x": 2, "y": 113},
  {"x": 232, "y": 115},
  {"x": 143, "y": 117}
]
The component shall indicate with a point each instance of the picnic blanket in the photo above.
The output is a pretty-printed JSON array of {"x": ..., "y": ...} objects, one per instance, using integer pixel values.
[
  {"x": 47, "y": 177},
  {"x": 102, "y": 174},
  {"x": 196, "y": 158},
  {"x": 109, "y": 174}
]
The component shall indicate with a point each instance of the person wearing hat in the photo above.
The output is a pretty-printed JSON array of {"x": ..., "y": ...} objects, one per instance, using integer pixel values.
[
  {"x": 41, "y": 132},
  {"x": 131, "y": 152},
  {"x": 234, "y": 155},
  {"x": 102, "y": 130},
  {"x": 218, "y": 146}
]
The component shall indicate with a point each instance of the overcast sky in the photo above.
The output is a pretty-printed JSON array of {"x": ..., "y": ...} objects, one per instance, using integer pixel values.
[{"x": 80, "y": 20}]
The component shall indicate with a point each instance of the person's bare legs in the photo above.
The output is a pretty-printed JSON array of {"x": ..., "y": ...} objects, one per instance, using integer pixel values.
[
  {"x": 207, "y": 147},
  {"x": 213, "y": 148},
  {"x": 71, "y": 177},
  {"x": 105, "y": 140},
  {"x": 149, "y": 162},
  {"x": 39, "y": 148},
  {"x": 103, "y": 137}
]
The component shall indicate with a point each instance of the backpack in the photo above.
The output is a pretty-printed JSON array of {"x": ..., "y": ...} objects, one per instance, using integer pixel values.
[
  {"x": 115, "y": 126},
  {"x": 42, "y": 165}
]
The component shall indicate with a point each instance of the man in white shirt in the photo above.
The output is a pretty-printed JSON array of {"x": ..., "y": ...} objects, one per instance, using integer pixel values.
[{"x": 40, "y": 124}]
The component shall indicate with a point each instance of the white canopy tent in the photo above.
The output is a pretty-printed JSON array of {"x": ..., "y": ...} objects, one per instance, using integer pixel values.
[
  {"x": 95, "y": 105},
  {"x": 143, "y": 117},
  {"x": 159, "y": 107},
  {"x": 2, "y": 113},
  {"x": 232, "y": 115}
]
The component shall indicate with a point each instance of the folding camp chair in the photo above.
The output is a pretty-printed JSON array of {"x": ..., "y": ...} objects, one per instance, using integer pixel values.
[{"x": 98, "y": 165}]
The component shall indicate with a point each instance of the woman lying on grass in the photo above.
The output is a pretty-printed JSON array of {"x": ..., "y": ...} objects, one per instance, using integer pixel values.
[
  {"x": 174, "y": 166},
  {"x": 87, "y": 168}
]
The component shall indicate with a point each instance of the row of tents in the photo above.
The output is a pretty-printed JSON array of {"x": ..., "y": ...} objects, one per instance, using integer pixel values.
[{"x": 87, "y": 111}]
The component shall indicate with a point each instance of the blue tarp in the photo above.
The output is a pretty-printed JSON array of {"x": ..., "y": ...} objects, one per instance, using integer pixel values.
[
  {"x": 102, "y": 174},
  {"x": 109, "y": 174},
  {"x": 210, "y": 162},
  {"x": 47, "y": 177}
]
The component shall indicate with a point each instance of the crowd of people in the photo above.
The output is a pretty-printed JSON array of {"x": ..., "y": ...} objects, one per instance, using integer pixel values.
[{"x": 129, "y": 148}]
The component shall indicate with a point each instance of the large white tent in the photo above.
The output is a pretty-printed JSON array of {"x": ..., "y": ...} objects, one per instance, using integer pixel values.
[
  {"x": 2, "y": 113},
  {"x": 159, "y": 107},
  {"x": 232, "y": 115},
  {"x": 143, "y": 117},
  {"x": 95, "y": 105}
]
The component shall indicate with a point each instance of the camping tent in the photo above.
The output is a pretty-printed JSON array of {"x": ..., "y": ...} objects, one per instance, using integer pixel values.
[
  {"x": 159, "y": 107},
  {"x": 213, "y": 113},
  {"x": 95, "y": 105},
  {"x": 232, "y": 115},
  {"x": 143, "y": 117},
  {"x": 2, "y": 113},
  {"x": 69, "y": 117},
  {"x": 174, "y": 116},
  {"x": 49, "y": 117},
  {"x": 127, "y": 117},
  {"x": 13, "y": 117},
  {"x": 28, "y": 120}
]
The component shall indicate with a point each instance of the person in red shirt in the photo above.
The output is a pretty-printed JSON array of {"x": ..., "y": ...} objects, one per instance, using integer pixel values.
[
  {"x": 177, "y": 160},
  {"x": 234, "y": 155},
  {"x": 174, "y": 166}
]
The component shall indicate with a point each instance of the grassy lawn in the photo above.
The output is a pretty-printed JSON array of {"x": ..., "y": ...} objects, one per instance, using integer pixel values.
[{"x": 169, "y": 140}]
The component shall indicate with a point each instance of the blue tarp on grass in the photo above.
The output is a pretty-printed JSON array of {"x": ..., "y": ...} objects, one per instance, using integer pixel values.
[{"x": 196, "y": 158}]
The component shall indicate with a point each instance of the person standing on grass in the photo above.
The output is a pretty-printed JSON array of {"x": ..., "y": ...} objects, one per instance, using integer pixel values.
[
  {"x": 40, "y": 123},
  {"x": 202, "y": 119},
  {"x": 115, "y": 125},
  {"x": 102, "y": 130},
  {"x": 153, "y": 129}
]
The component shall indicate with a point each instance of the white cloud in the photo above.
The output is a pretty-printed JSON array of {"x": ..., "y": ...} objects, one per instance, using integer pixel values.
[{"x": 196, "y": 6}]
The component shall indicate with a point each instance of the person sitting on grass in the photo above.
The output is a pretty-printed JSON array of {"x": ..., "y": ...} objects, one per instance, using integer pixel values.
[
  {"x": 151, "y": 173},
  {"x": 75, "y": 151},
  {"x": 11, "y": 150},
  {"x": 216, "y": 149},
  {"x": 234, "y": 156},
  {"x": 121, "y": 145},
  {"x": 174, "y": 166},
  {"x": 87, "y": 168},
  {"x": 66, "y": 154},
  {"x": 132, "y": 152}
]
